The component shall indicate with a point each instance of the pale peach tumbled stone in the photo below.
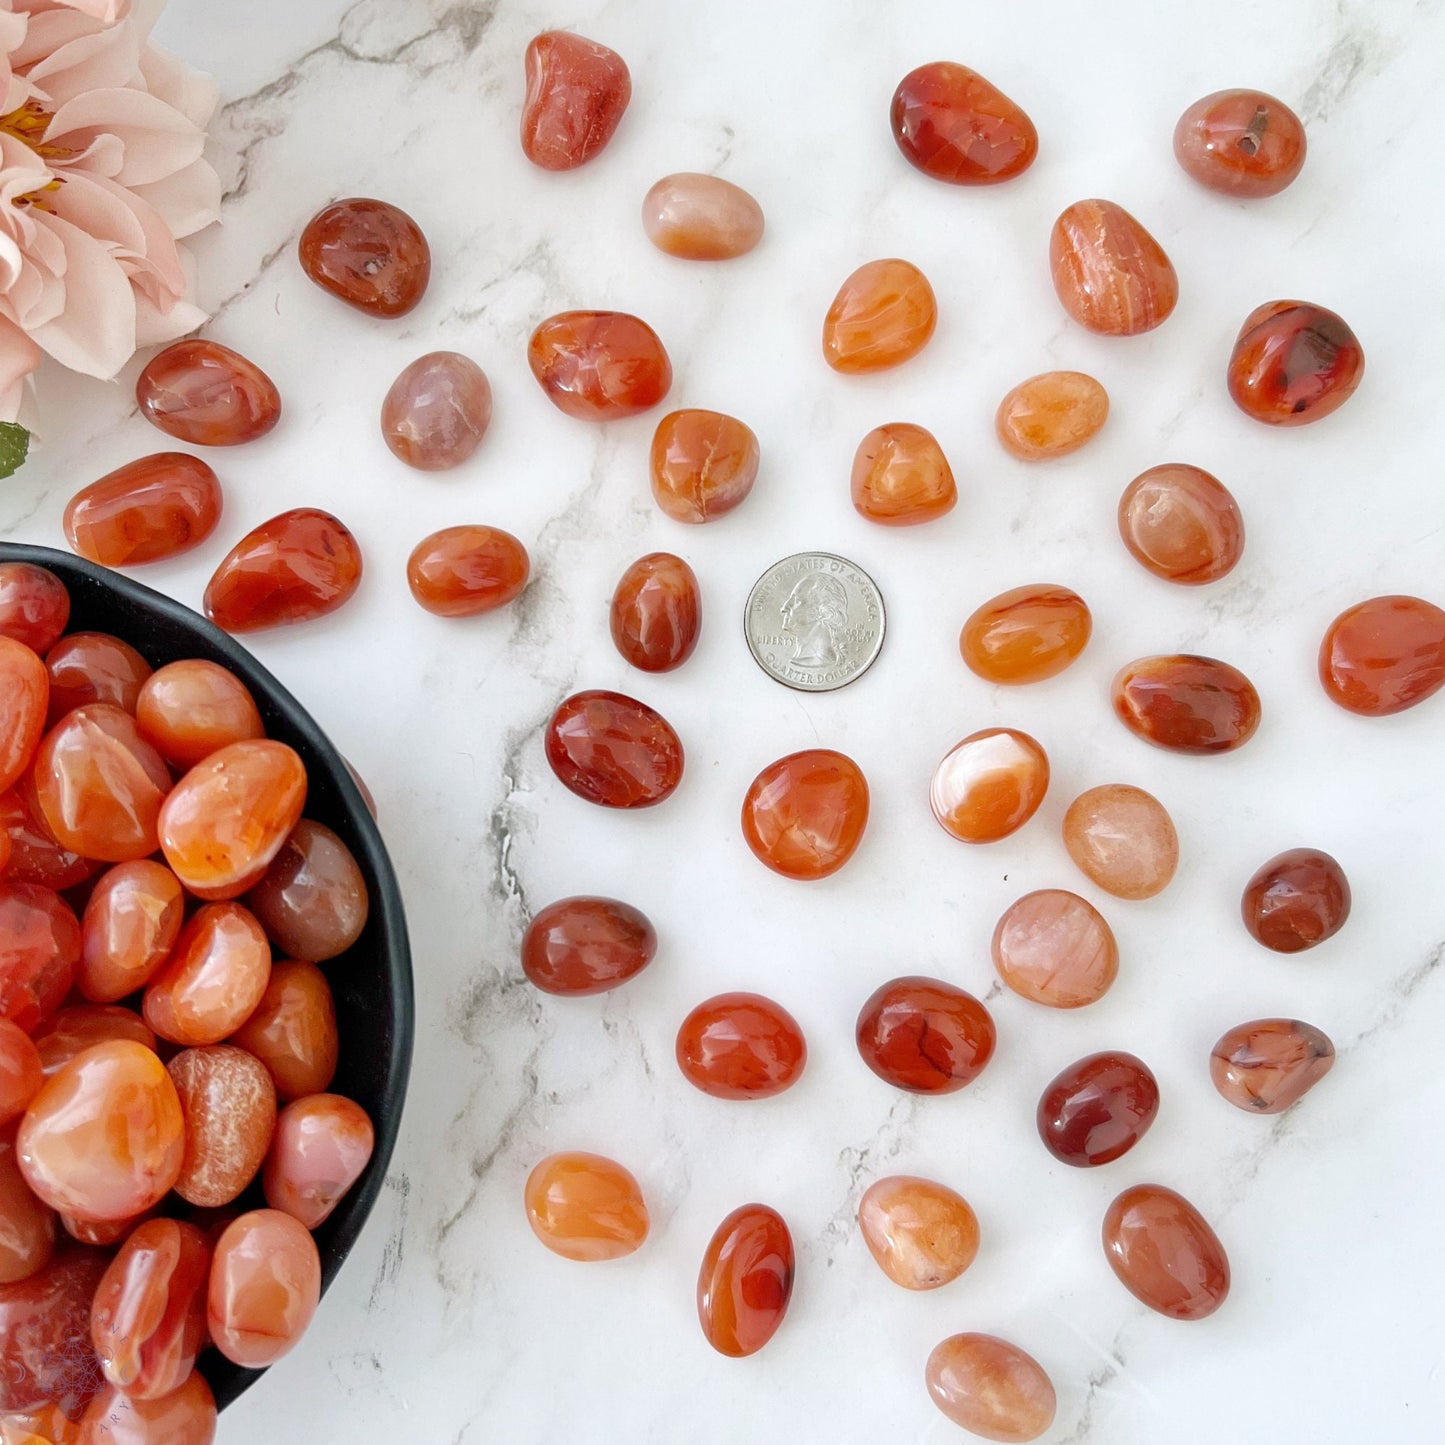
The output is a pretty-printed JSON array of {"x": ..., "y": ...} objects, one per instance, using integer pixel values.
[
  {"x": 1054, "y": 947},
  {"x": 1123, "y": 839},
  {"x": 437, "y": 411},
  {"x": 991, "y": 1388},
  {"x": 922, "y": 1234},
  {"x": 1051, "y": 415},
  {"x": 701, "y": 218}
]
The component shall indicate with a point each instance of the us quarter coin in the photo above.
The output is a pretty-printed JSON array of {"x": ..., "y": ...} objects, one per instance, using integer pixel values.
[{"x": 814, "y": 621}]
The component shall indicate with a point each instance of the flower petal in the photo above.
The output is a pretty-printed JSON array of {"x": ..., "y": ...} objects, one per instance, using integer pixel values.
[
  {"x": 181, "y": 86},
  {"x": 158, "y": 141},
  {"x": 95, "y": 334},
  {"x": 154, "y": 327},
  {"x": 19, "y": 356},
  {"x": 187, "y": 201}
]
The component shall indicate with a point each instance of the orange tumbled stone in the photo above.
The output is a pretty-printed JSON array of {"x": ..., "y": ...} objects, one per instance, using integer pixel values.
[
  {"x": 1240, "y": 143},
  {"x": 599, "y": 365},
  {"x": 229, "y": 1104},
  {"x": 1026, "y": 634},
  {"x": 990, "y": 1388},
  {"x": 34, "y": 605},
  {"x": 746, "y": 1281},
  {"x": 20, "y": 1073},
  {"x": 185, "y": 1416},
  {"x": 1384, "y": 655},
  {"x": 1293, "y": 363},
  {"x": 215, "y": 976},
  {"x": 39, "y": 951},
  {"x": 955, "y": 126},
  {"x": 24, "y": 702},
  {"x": 70, "y": 1032},
  {"x": 292, "y": 1030},
  {"x": 322, "y": 1147},
  {"x": 741, "y": 1046},
  {"x": 299, "y": 565},
  {"x": 924, "y": 1035},
  {"x": 1051, "y": 415},
  {"x": 656, "y": 612},
  {"x": 158, "y": 506},
  {"x": 989, "y": 785},
  {"x": 901, "y": 476},
  {"x": 577, "y": 91},
  {"x": 190, "y": 709},
  {"x": 1182, "y": 524},
  {"x": 921, "y": 1234},
  {"x": 883, "y": 314},
  {"x": 613, "y": 750},
  {"x": 701, "y": 218},
  {"x": 1187, "y": 704},
  {"x": 88, "y": 667},
  {"x": 1164, "y": 1252},
  {"x": 264, "y": 1287},
  {"x": 1053, "y": 947},
  {"x": 585, "y": 1207},
  {"x": 1123, "y": 840},
  {"x": 1266, "y": 1065},
  {"x": 804, "y": 815},
  {"x": 225, "y": 821},
  {"x": 461, "y": 571},
  {"x": 437, "y": 411},
  {"x": 207, "y": 395},
  {"x": 370, "y": 254},
  {"x": 586, "y": 945},
  {"x": 27, "y": 1226},
  {"x": 703, "y": 464},
  {"x": 1097, "y": 1109},
  {"x": 1298, "y": 899},
  {"x": 1111, "y": 275},
  {"x": 131, "y": 922},
  {"x": 312, "y": 901}
]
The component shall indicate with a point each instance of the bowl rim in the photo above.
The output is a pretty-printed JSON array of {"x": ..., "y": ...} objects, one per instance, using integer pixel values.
[{"x": 351, "y": 1214}]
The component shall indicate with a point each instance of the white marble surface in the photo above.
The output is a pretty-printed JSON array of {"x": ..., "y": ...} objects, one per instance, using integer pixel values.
[{"x": 449, "y": 1323}]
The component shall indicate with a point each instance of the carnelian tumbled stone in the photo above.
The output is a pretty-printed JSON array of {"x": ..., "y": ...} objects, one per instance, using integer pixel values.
[
  {"x": 69, "y": 1032},
  {"x": 1265, "y": 1066},
  {"x": 293, "y": 1029},
  {"x": 701, "y": 218},
  {"x": 1296, "y": 900},
  {"x": 156, "y": 507},
  {"x": 901, "y": 476},
  {"x": 1051, "y": 415},
  {"x": 46, "y": 1358},
  {"x": 461, "y": 571},
  {"x": 585, "y": 1207},
  {"x": 883, "y": 314},
  {"x": 207, "y": 395},
  {"x": 225, "y": 821},
  {"x": 229, "y": 1104},
  {"x": 1053, "y": 947},
  {"x": 265, "y": 1285},
  {"x": 1164, "y": 1253},
  {"x": 20, "y": 1072},
  {"x": 1111, "y": 275},
  {"x": 186, "y": 1416},
  {"x": 1123, "y": 840},
  {"x": 322, "y": 1146},
  {"x": 1186, "y": 704},
  {"x": 989, "y": 785},
  {"x": 370, "y": 254},
  {"x": 924, "y": 1035},
  {"x": 1293, "y": 363},
  {"x": 613, "y": 750},
  {"x": 437, "y": 411},
  {"x": 105, "y": 1137},
  {"x": 598, "y": 365},
  {"x": 34, "y": 605},
  {"x": 101, "y": 785},
  {"x": 657, "y": 612},
  {"x": 577, "y": 91},
  {"x": 955, "y": 126},
  {"x": 27, "y": 1227},
  {"x": 1182, "y": 524},
  {"x": 215, "y": 976},
  {"x": 87, "y": 667},
  {"x": 746, "y": 1281},
  {"x": 24, "y": 701},
  {"x": 804, "y": 815},
  {"x": 1384, "y": 655},
  {"x": 1098, "y": 1109},
  {"x": 1240, "y": 143},
  {"x": 131, "y": 922},
  {"x": 586, "y": 945},
  {"x": 148, "y": 1321},
  {"x": 190, "y": 709},
  {"x": 922, "y": 1234},
  {"x": 741, "y": 1046},
  {"x": 702, "y": 464},
  {"x": 990, "y": 1387},
  {"x": 1026, "y": 634},
  {"x": 301, "y": 564},
  {"x": 312, "y": 901},
  {"x": 39, "y": 951}
]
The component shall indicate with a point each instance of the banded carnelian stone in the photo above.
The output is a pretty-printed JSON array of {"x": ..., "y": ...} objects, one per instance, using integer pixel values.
[
  {"x": 69, "y": 1032},
  {"x": 47, "y": 1364},
  {"x": 924, "y": 1035},
  {"x": 1187, "y": 704},
  {"x": 1298, "y": 899},
  {"x": 370, "y": 254},
  {"x": 701, "y": 218},
  {"x": 1051, "y": 415},
  {"x": 156, "y": 507},
  {"x": 586, "y": 945},
  {"x": 804, "y": 815},
  {"x": 187, "y": 710},
  {"x": 20, "y": 1073},
  {"x": 657, "y": 612},
  {"x": 301, "y": 564},
  {"x": 1111, "y": 275},
  {"x": 989, "y": 785},
  {"x": 24, "y": 702},
  {"x": 901, "y": 476},
  {"x": 1384, "y": 655},
  {"x": 131, "y": 922},
  {"x": 613, "y": 750},
  {"x": 703, "y": 464},
  {"x": 577, "y": 91},
  {"x": 922, "y": 1234},
  {"x": 955, "y": 126},
  {"x": 466, "y": 570},
  {"x": 990, "y": 1388},
  {"x": 214, "y": 979},
  {"x": 1240, "y": 143},
  {"x": 1182, "y": 524},
  {"x": 27, "y": 1226},
  {"x": 34, "y": 605},
  {"x": 207, "y": 395},
  {"x": 88, "y": 667},
  {"x": 293, "y": 1030},
  {"x": 1164, "y": 1252},
  {"x": 746, "y": 1281},
  {"x": 1294, "y": 362},
  {"x": 585, "y": 1207},
  {"x": 1026, "y": 634},
  {"x": 1055, "y": 948},
  {"x": 312, "y": 901},
  {"x": 1265, "y": 1066},
  {"x": 1098, "y": 1109},
  {"x": 741, "y": 1046},
  {"x": 39, "y": 951},
  {"x": 264, "y": 1287},
  {"x": 599, "y": 365},
  {"x": 883, "y": 314}
]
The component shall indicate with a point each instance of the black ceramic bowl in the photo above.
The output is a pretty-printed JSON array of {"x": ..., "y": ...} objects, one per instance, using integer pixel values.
[{"x": 371, "y": 982}]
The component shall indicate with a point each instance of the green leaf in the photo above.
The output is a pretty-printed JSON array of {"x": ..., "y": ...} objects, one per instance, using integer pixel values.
[{"x": 14, "y": 445}]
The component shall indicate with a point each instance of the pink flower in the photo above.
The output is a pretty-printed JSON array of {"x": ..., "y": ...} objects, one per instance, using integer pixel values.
[{"x": 101, "y": 174}]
